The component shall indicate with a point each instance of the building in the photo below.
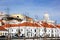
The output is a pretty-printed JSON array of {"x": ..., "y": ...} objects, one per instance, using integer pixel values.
[
  {"x": 23, "y": 17},
  {"x": 25, "y": 28},
  {"x": 47, "y": 19},
  {"x": 3, "y": 31},
  {"x": 28, "y": 27}
]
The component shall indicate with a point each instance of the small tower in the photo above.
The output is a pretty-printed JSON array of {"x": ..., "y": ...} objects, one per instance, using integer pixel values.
[{"x": 46, "y": 16}]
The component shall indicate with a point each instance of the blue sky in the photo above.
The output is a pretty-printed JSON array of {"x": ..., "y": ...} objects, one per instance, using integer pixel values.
[{"x": 33, "y": 7}]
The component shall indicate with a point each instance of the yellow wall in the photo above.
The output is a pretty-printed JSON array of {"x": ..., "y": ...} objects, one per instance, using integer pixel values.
[{"x": 20, "y": 16}]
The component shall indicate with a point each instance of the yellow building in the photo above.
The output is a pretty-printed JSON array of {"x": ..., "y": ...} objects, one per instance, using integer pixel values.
[
  {"x": 24, "y": 17},
  {"x": 18, "y": 16}
]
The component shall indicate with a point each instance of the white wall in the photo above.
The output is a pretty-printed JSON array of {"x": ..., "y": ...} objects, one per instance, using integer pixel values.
[
  {"x": 30, "y": 31},
  {"x": 3, "y": 33}
]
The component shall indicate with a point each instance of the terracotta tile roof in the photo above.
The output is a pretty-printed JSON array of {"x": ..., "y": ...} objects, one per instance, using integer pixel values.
[
  {"x": 2, "y": 29},
  {"x": 6, "y": 25},
  {"x": 29, "y": 24},
  {"x": 9, "y": 25},
  {"x": 58, "y": 25},
  {"x": 21, "y": 24},
  {"x": 44, "y": 24}
]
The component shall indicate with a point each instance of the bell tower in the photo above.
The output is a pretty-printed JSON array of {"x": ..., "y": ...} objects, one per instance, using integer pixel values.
[{"x": 46, "y": 16}]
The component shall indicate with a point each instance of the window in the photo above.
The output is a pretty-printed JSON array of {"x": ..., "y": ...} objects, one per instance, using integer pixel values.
[
  {"x": 17, "y": 16},
  {"x": 35, "y": 35},
  {"x": 35, "y": 30},
  {"x": 12, "y": 29},
  {"x": 5, "y": 33}
]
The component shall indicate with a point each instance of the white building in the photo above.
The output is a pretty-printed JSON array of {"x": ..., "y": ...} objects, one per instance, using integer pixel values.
[
  {"x": 31, "y": 28},
  {"x": 3, "y": 31},
  {"x": 28, "y": 29},
  {"x": 46, "y": 18}
]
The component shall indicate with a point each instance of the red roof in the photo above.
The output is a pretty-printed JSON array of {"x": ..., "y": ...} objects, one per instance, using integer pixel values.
[
  {"x": 6, "y": 25},
  {"x": 21, "y": 24},
  {"x": 2, "y": 29},
  {"x": 9, "y": 25},
  {"x": 58, "y": 25},
  {"x": 29, "y": 24},
  {"x": 44, "y": 24}
]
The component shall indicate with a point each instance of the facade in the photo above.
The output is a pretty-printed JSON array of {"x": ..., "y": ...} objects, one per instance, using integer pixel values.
[
  {"x": 3, "y": 31},
  {"x": 29, "y": 27}
]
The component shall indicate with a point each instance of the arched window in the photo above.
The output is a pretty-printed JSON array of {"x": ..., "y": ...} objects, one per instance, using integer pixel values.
[{"x": 35, "y": 30}]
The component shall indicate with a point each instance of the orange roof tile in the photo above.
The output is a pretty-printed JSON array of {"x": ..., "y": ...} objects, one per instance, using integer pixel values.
[
  {"x": 58, "y": 25},
  {"x": 2, "y": 29},
  {"x": 29, "y": 24},
  {"x": 22, "y": 24},
  {"x": 44, "y": 24},
  {"x": 10, "y": 25},
  {"x": 6, "y": 25}
]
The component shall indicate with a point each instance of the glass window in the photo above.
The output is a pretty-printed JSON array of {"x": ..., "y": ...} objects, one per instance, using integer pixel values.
[
  {"x": 12, "y": 29},
  {"x": 5, "y": 33},
  {"x": 35, "y": 30}
]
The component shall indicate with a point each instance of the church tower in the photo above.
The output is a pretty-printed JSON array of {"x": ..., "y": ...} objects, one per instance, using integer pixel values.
[{"x": 46, "y": 17}]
